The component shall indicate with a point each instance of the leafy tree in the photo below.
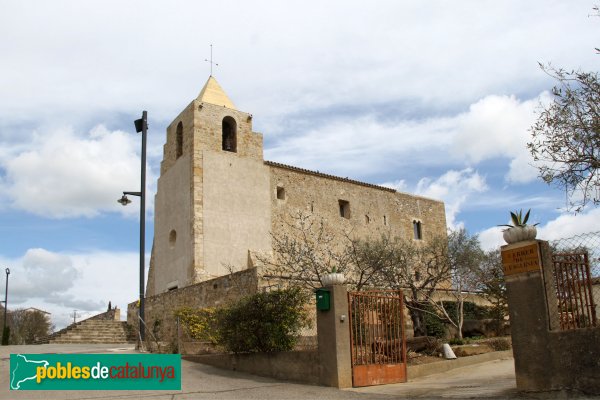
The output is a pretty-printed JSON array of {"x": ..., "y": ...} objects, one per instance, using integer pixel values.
[
  {"x": 491, "y": 284},
  {"x": 566, "y": 136},
  {"x": 26, "y": 326},
  {"x": 464, "y": 258}
]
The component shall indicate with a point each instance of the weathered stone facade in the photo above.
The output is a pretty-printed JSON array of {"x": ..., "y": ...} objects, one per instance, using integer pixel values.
[
  {"x": 371, "y": 210},
  {"x": 160, "y": 309},
  {"x": 218, "y": 202}
]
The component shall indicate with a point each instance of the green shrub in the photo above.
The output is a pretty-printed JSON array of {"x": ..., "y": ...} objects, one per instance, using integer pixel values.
[
  {"x": 456, "y": 342},
  {"x": 200, "y": 323},
  {"x": 434, "y": 326},
  {"x": 263, "y": 322},
  {"x": 499, "y": 343}
]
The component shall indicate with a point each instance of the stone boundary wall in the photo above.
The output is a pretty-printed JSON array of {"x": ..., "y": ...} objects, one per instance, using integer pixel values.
[
  {"x": 114, "y": 314},
  {"x": 299, "y": 366},
  {"x": 159, "y": 309}
]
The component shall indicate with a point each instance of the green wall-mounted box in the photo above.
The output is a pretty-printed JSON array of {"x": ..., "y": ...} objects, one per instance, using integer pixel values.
[{"x": 323, "y": 297}]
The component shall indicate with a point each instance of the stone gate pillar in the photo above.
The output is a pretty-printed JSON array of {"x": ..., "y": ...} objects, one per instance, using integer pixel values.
[
  {"x": 333, "y": 334},
  {"x": 527, "y": 306},
  {"x": 547, "y": 357}
]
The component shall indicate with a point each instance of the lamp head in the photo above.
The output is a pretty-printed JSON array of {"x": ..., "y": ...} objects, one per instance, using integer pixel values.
[
  {"x": 124, "y": 200},
  {"x": 139, "y": 124},
  {"x": 7, "y": 271}
]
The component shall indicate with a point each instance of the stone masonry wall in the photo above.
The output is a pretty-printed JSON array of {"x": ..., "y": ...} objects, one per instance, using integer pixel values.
[
  {"x": 373, "y": 209},
  {"x": 160, "y": 308}
]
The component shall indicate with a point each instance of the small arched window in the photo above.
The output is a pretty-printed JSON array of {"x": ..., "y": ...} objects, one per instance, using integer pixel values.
[
  {"x": 418, "y": 235},
  {"x": 229, "y": 134},
  {"x": 179, "y": 140}
]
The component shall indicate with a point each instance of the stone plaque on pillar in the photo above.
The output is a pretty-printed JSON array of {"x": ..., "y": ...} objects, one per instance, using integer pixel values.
[{"x": 521, "y": 257}]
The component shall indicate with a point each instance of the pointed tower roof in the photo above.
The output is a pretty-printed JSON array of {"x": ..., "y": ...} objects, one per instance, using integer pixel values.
[{"x": 213, "y": 93}]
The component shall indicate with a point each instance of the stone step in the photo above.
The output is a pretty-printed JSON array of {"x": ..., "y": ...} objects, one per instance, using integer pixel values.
[
  {"x": 109, "y": 331},
  {"x": 94, "y": 331},
  {"x": 94, "y": 336},
  {"x": 92, "y": 341}
]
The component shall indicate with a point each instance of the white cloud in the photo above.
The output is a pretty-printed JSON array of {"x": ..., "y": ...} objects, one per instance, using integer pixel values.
[
  {"x": 399, "y": 185},
  {"x": 567, "y": 225},
  {"x": 495, "y": 126},
  {"x": 63, "y": 175},
  {"x": 42, "y": 273},
  {"x": 357, "y": 146},
  {"x": 498, "y": 126},
  {"x": 62, "y": 282},
  {"x": 563, "y": 226},
  {"x": 491, "y": 238},
  {"x": 278, "y": 58},
  {"x": 454, "y": 188}
]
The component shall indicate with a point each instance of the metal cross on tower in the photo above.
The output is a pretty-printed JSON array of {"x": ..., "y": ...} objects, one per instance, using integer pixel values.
[{"x": 211, "y": 61}]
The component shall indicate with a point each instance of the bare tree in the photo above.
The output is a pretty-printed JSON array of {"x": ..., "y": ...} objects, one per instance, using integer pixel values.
[
  {"x": 418, "y": 269},
  {"x": 368, "y": 259},
  {"x": 305, "y": 253},
  {"x": 310, "y": 250},
  {"x": 566, "y": 137}
]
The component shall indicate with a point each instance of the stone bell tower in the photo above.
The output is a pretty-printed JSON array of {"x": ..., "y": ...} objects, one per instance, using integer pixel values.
[{"x": 212, "y": 204}]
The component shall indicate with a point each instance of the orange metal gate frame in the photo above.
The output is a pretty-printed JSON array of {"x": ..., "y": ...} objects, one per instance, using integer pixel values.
[{"x": 377, "y": 339}]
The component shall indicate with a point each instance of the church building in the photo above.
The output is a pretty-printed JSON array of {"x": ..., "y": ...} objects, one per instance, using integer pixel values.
[{"x": 219, "y": 202}]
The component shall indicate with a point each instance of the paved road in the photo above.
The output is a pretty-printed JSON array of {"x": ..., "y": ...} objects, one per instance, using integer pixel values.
[
  {"x": 198, "y": 382},
  {"x": 493, "y": 379}
]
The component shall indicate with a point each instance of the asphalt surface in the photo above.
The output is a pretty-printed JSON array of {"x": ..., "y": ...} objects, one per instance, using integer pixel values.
[{"x": 494, "y": 379}]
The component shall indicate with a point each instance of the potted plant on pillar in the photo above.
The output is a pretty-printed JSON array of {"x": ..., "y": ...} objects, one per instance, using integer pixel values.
[
  {"x": 519, "y": 230},
  {"x": 333, "y": 278}
]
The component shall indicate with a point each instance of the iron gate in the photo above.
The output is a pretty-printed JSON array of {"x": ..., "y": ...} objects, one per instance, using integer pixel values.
[
  {"x": 377, "y": 341},
  {"x": 576, "y": 308}
]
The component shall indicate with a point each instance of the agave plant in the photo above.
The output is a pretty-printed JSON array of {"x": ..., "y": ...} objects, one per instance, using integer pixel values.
[
  {"x": 519, "y": 230},
  {"x": 518, "y": 219}
]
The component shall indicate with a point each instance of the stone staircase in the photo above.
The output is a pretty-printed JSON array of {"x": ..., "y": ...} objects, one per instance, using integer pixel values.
[{"x": 95, "y": 331}]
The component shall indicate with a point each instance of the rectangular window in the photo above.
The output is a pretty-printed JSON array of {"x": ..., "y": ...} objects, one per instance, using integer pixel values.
[
  {"x": 280, "y": 193},
  {"x": 344, "y": 209},
  {"x": 417, "y": 230}
]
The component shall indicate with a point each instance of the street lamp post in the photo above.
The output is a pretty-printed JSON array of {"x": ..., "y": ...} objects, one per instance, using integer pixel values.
[
  {"x": 141, "y": 125},
  {"x": 5, "y": 339}
]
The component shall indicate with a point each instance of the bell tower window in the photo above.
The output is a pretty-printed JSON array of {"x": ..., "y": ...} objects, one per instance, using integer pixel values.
[
  {"x": 179, "y": 140},
  {"x": 229, "y": 135}
]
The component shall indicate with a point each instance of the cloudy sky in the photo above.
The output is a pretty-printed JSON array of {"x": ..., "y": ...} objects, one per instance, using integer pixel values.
[{"x": 429, "y": 97}]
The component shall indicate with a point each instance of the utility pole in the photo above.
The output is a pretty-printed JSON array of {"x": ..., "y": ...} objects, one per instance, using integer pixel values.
[
  {"x": 4, "y": 333},
  {"x": 75, "y": 315}
]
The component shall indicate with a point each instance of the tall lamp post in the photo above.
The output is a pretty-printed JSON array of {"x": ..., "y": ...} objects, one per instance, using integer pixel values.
[
  {"x": 141, "y": 125},
  {"x": 4, "y": 336}
]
